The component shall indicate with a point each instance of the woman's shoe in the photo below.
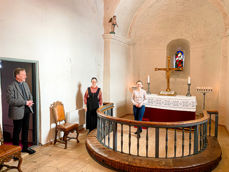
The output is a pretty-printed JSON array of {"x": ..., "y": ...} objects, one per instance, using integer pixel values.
[{"x": 137, "y": 132}]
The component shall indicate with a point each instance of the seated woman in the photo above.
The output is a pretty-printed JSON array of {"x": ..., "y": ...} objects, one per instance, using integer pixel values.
[{"x": 138, "y": 99}]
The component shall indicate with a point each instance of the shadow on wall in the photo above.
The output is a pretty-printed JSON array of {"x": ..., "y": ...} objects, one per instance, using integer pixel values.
[
  {"x": 77, "y": 115},
  {"x": 79, "y": 105},
  {"x": 51, "y": 133},
  {"x": 121, "y": 110}
]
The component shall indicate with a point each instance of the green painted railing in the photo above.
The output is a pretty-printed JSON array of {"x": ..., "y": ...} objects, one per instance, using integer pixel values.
[{"x": 183, "y": 138}]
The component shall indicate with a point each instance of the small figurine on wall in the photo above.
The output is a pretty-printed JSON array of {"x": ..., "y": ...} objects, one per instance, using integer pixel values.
[{"x": 113, "y": 24}]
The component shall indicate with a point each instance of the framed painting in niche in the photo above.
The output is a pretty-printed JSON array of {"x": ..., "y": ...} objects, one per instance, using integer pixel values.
[{"x": 179, "y": 59}]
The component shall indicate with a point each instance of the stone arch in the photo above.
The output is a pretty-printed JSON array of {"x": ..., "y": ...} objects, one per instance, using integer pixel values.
[
  {"x": 223, "y": 12},
  {"x": 220, "y": 6},
  {"x": 217, "y": 3}
]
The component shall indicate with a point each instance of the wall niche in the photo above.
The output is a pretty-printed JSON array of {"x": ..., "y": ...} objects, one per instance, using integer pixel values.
[{"x": 179, "y": 45}]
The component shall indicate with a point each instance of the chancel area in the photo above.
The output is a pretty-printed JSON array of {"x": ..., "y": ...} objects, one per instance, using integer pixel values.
[{"x": 177, "y": 49}]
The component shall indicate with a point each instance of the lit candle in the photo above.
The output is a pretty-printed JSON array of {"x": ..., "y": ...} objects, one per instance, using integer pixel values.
[
  {"x": 148, "y": 81},
  {"x": 189, "y": 80}
]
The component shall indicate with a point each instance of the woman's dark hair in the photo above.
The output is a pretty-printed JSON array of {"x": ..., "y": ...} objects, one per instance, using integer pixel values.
[
  {"x": 94, "y": 78},
  {"x": 139, "y": 81}
]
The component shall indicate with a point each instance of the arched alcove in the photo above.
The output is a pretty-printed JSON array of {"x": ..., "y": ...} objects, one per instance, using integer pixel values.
[
  {"x": 150, "y": 26},
  {"x": 179, "y": 45}
]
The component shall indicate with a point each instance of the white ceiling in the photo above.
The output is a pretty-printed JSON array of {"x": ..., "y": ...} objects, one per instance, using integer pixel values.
[{"x": 195, "y": 20}]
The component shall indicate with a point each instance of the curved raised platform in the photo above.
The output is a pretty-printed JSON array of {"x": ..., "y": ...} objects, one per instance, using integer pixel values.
[{"x": 204, "y": 161}]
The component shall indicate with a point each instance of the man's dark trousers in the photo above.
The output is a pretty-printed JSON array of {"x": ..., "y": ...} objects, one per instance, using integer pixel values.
[{"x": 22, "y": 124}]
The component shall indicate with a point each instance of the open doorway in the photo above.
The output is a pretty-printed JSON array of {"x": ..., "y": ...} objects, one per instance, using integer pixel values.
[{"x": 6, "y": 77}]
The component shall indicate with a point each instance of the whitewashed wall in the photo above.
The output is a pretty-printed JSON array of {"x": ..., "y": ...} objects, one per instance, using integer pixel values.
[
  {"x": 165, "y": 21},
  {"x": 152, "y": 24},
  {"x": 116, "y": 72},
  {"x": 119, "y": 75},
  {"x": 65, "y": 37}
]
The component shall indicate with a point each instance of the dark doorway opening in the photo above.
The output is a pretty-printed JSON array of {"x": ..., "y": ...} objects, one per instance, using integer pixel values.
[{"x": 7, "y": 69}]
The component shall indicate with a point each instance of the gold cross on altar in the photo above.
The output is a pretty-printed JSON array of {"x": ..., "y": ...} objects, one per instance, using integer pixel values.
[{"x": 168, "y": 70}]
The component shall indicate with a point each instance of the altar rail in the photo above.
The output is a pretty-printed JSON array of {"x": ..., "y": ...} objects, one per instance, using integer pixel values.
[{"x": 110, "y": 133}]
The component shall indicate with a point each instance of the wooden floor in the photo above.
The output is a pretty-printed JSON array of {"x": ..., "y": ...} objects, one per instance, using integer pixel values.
[
  {"x": 76, "y": 158},
  {"x": 57, "y": 159}
]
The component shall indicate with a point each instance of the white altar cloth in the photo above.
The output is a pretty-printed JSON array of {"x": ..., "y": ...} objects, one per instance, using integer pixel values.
[{"x": 178, "y": 102}]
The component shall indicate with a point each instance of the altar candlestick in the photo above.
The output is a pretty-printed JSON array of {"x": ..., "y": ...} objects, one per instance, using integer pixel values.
[
  {"x": 148, "y": 81},
  {"x": 189, "y": 80}
]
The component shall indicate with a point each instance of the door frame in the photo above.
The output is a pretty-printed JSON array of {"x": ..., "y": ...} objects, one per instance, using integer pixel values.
[{"x": 36, "y": 64}]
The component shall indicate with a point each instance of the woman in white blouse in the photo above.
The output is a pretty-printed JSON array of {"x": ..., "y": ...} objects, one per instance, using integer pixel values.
[{"x": 138, "y": 99}]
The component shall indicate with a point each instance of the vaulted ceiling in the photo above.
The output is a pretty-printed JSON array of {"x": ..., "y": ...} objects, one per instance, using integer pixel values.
[{"x": 162, "y": 19}]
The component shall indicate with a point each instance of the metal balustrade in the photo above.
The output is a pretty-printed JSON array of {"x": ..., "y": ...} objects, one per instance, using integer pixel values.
[{"x": 160, "y": 139}]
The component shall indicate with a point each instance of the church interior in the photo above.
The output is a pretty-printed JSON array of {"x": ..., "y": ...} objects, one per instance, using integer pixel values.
[{"x": 63, "y": 44}]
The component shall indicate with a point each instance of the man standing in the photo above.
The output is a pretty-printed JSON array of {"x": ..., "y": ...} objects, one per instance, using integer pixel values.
[{"x": 20, "y": 102}]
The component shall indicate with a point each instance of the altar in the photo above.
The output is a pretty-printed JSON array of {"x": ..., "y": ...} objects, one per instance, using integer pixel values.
[{"x": 169, "y": 108}]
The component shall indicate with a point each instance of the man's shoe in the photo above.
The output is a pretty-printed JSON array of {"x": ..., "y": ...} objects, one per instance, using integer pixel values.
[{"x": 29, "y": 150}]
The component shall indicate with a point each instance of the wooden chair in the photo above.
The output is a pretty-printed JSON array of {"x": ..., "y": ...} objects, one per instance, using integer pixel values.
[
  {"x": 8, "y": 152},
  {"x": 62, "y": 125}
]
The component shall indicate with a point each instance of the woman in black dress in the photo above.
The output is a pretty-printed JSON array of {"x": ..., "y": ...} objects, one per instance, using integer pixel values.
[{"x": 92, "y": 100}]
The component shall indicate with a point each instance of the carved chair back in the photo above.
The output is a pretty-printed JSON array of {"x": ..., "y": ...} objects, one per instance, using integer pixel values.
[
  {"x": 58, "y": 111},
  {"x": 66, "y": 127}
]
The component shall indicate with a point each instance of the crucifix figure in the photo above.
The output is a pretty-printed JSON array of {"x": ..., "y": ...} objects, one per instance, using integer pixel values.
[{"x": 168, "y": 70}]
